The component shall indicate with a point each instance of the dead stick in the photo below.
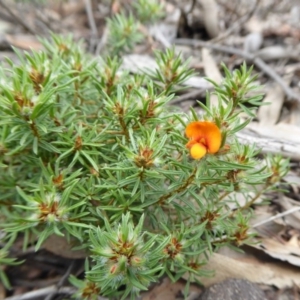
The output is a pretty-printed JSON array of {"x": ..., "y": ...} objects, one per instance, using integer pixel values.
[
  {"x": 290, "y": 211},
  {"x": 42, "y": 292},
  {"x": 256, "y": 60},
  {"x": 189, "y": 96},
  {"x": 92, "y": 23}
]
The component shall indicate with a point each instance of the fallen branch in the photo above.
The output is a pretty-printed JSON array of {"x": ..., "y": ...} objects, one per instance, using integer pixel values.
[
  {"x": 42, "y": 293},
  {"x": 45, "y": 291},
  {"x": 270, "y": 145},
  {"x": 256, "y": 60}
]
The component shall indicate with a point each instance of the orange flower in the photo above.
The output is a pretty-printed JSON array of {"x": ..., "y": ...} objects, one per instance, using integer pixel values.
[{"x": 205, "y": 137}]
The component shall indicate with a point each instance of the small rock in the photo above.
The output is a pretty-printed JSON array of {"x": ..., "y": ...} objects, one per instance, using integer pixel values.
[{"x": 233, "y": 289}]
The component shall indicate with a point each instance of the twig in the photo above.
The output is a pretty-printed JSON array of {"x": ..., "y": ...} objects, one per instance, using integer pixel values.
[
  {"x": 238, "y": 24},
  {"x": 102, "y": 41},
  {"x": 42, "y": 292},
  {"x": 94, "y": 35},
  {"x": 61, "y": 282},
  {"x": 189, "y": 96},
  {"x": 45, "y": 22},
  {"x": 16, "y": 17},
  {"x": 231, "y": 9},
  {"x": 256, "y": 60},
  {"x": 290, "y": 211},
  {"x": 36, "y": 284}
]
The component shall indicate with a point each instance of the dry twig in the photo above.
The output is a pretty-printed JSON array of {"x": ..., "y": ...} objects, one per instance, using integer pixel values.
[
  {"x": 16, "y": 17},
  {"x": 92, "y": 23},
  {"x": 102, "y": 41},
  {"x": 61, "y": 282},
  {"x": 42, "y": 292},
  {"x": 290, "y": 211},
  {"x": 189, "y": 96}
]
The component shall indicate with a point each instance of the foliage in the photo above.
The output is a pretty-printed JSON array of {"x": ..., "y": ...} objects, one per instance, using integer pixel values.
[
  {"x": 92, "y": 153},
  {"x": 126, "y": 29},
  {"x": 6, "y": 243},
  {"x": 149, "y": 11}
]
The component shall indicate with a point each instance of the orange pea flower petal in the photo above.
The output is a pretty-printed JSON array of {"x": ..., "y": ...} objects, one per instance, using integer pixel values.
[
  {"x": 214, "y": 140},
  {"x": 198, "y": 151},
  {"x": 206, "y": 133},
  {"x": 197, "y": 127}
]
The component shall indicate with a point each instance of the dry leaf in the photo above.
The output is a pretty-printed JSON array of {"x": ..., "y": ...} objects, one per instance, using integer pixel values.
[
  {"x": 5, "y": 27},
  {"x": 25, "y": 42},
  {"x": 292, "y": 219},
  {"x": 276, "y": 52},
  {"x": 269, "y": 114},
  {"x": 168, "y": 290},
  {"x": 278, "y": 274},
  {"x": 292, "y": 178},
  {"x": 59, "y": 245},
  {"x": 285, "y": 251},
  {"x": 254, "y": 24},
  {"x": 166, "y": 31},
  {"x": 210, "y": 66},
  {"x": 273, "y": 237},
  {"x": 295, "y": 115},
  {"x": 69, "y": 7},
  {"x": 266, "y": 229}
]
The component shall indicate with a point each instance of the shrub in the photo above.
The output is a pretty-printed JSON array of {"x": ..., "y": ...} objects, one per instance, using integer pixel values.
[{"x": 97, "y": 155}]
